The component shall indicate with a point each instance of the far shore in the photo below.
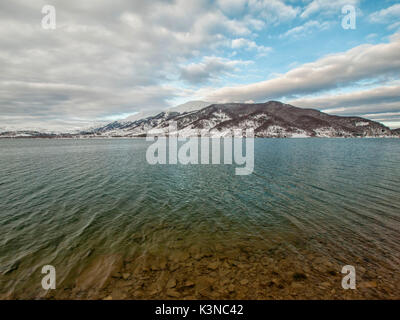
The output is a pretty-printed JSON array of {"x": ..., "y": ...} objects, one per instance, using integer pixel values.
[{"x": 143, "y": 137}]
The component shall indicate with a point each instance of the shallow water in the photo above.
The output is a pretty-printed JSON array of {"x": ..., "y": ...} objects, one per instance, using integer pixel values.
[{"x": 116, "y": 227}]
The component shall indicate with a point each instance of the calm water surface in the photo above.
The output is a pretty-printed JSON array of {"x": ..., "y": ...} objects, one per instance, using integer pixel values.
[{"x": 78, "y": 204}]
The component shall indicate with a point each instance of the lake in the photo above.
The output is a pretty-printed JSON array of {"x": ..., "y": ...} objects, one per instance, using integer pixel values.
[{"x": 117, "y": 227}]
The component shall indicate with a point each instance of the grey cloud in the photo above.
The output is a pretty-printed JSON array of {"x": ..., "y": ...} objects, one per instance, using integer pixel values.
[
  {"x": 380, "y": 104},
  {"x": 209, "y": 68},
  {"x": 232, "y": 6},
  {"x": 364, "y": 109},
  {"x": 384, "y": 112},
  {"x": 105, "y": 57},
  {"x": 374, "y": 96}
]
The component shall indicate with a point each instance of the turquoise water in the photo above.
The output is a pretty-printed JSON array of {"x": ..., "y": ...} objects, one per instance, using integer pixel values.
[{"x": 66, "y": 202}]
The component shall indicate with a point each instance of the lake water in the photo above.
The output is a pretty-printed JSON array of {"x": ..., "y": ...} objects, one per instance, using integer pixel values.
[{"x": 116, "y": 227}]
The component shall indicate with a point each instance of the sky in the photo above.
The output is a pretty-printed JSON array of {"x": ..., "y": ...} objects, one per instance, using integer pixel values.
[{"x": 106, "y": 60}]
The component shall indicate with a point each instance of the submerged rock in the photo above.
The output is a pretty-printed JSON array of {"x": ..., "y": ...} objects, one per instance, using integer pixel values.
[
  {"x": 173, "y": 293},
  {"x": 171, "y": 283},
  {"x": 298, "y": 276},
  {"x": 126, "y": 275},
  {"x": 213, "y": 265},
  {"x": 368, "y": 284}
]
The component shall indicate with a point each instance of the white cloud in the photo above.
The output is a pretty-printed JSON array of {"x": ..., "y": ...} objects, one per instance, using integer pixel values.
[
  {"x": 361, "y": 62},
  {"x": 306, "y": 28},
  {"x": 386, "y": 15},
  {"x": 326, "y": 7},
  {"x": 371, "y": 36},
  {"x": 246, "y": 44},
  {"x": 394, "y": 26},
  {"x": 273, "y": 11}
]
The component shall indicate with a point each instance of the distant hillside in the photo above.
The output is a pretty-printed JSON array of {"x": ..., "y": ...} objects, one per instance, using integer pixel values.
[
  {"x": 34, "y": 134},
  {"x": 270, "y": 119}
]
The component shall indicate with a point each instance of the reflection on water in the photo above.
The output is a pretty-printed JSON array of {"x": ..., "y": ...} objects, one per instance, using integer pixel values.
[{"x": 116, "y": 227}]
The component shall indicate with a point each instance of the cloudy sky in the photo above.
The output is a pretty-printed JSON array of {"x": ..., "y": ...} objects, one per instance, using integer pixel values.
[{"x": 109, "y": 59}]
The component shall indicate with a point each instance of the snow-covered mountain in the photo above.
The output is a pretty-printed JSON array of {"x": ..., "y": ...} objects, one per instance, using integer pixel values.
[
  {"x": 185, "y": 107},
  {"x": 270, "y": 119},
  {"x": 190, "y": 106}
]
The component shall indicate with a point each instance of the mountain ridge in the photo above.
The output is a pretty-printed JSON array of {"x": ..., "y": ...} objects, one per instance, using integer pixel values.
[
  {"x": 269, "y": 119},
  {"x": 272, "y": 119}
]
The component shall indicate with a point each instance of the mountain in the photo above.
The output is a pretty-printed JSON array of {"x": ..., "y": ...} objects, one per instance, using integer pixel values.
[
  {"x": 141, "y": 122},
  {"x": 185, "y": 107},
  {"x": 190, "y": 106},
  {"x": 270, "y": 119}
]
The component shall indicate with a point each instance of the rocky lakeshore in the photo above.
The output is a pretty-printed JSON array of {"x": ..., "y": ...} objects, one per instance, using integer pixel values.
[{"x": 225, "y": 273}]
